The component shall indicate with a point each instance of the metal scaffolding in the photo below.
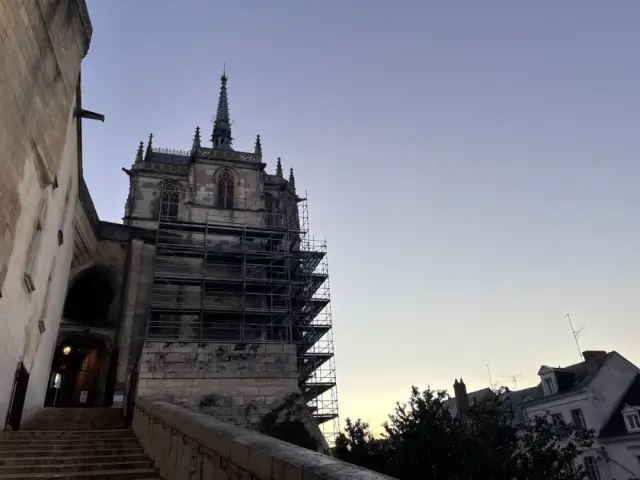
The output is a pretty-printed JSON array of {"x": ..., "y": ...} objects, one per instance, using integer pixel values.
[{"x": 248, "y": 281}]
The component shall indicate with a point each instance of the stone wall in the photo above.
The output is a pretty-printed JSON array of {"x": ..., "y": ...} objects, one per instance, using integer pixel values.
[
  {"x": 183, "y": 444},
  {"x": 134, "y": 308},
  {"x": 247, "y": 193},
  {"x": 113, "y": 256},
  {"x": 29, "y": 320},
  {"x": 200, "y": 194},
  {"x": 42, "y": 43},
  {"x": 237, "y": 383}
]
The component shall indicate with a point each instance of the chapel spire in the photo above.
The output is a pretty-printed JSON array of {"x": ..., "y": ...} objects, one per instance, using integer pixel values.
[
  {"x": 221, "y": 136},
  {"x": 140, "y": 153},
  {"x": 196, "y": 139},
  {"x": 149, "y": 151},
  {"x": 292, "y": 179},
  {"x": 279, "y": 168},
  {"x": 258, "y": 148}
]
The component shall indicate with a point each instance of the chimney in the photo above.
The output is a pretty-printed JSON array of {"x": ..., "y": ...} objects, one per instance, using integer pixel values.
[
  {"x": 462, "y": 399},
  {"x": 593, "y": 354}
]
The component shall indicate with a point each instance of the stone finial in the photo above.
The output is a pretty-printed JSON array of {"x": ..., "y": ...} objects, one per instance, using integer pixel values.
[
  {"x": 279, "y": 168},
  {"x": 221, "y": 136},
  {"x": 258, "y": 148},
  {"x": 149, "y": 147},
  {"x": 140, "y": 153},
  {"x": 292, "y": 179},
  {"x": 196, "y": 139}
]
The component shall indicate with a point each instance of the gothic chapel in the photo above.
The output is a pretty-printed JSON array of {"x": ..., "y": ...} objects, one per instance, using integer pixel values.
[{"x": 211, "y": 295}]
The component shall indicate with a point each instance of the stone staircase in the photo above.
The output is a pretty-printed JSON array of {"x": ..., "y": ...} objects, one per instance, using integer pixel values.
[{"x": 74, "y": 443}]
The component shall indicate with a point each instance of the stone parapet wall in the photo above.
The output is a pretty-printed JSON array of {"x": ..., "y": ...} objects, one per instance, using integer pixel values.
[{"x": 185, "y": 444}]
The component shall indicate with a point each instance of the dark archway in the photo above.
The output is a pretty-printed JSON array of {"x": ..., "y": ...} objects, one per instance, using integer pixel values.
[
  {"x": 89, "y": 298},
  {"x": 78, "y": 372}
]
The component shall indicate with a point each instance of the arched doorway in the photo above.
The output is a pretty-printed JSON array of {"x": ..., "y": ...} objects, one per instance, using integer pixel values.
[
  {"x": 77, "y": 373},
  {"x": 83, "y": 367},
  {"x": 89, "y": 298}
]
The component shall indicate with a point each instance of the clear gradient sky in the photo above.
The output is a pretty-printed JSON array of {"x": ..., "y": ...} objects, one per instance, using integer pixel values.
[{"x": 473, "y": 165}]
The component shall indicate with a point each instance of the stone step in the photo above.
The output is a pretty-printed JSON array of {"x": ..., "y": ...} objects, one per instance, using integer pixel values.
[
  {"x": 71, "y": 434},
  {"x": 53, "y": 445},
  {"x": 68, "y": 440},
  {"x": 73, "y": 421},
  {"x": 74, "y": 444},
  {"x": 72, "y": 460},
  {"x": 75, "y": 428},
  {"x": 139, "y": 474},
  {"x": 63, "y": 426},
  {"x": 80, "y": 467},
  {"x": 88, "y": 411},
  {"x": 20, "y": 453}
]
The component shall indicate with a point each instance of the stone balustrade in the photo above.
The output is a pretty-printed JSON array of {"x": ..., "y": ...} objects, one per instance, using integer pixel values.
[{"x": 184, "y": 444}]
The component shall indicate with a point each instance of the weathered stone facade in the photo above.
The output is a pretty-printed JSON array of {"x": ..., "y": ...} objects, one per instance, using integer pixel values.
[
  {"x": 231, "y": 304},
  {"x": 42, "y": 43},
  {"x": 235, "y": 383},
  {"x": 205, "y": 292}
]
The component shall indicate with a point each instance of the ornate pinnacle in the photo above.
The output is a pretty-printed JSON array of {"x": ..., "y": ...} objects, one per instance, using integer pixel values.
[
  {"x": 221, "y": 136},
  {"x": 279, "y": 168},
  {"x": 292, "y": 179},
  {"x": 196, "y": 139},
  {"x": 149, "y": 147},
  {"x": 140, "y": 153},
  {"x": 258, "y": 149}
]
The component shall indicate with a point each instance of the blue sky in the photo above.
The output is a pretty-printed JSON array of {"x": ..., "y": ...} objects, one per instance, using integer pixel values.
[{"x": 473, "y": 165}]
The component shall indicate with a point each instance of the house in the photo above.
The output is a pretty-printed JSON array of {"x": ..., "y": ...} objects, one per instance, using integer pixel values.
[
  {"x": 463, "y": 400},
  {"x": 600, "y": 393},
  {"x": 620, "y": 436}
]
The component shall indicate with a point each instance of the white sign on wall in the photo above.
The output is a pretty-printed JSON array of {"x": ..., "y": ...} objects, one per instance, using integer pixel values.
[{"x": 83, "y": 397}]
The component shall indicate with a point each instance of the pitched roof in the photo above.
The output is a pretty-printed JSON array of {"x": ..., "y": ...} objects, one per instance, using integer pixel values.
[
  {"x": 473, "y": 398},
  {"x": 518, "y": 397},
  {"x": 170, "y": 158},
  {"x": 616, "y": 426},
  {"x": 575, "y": 377}
]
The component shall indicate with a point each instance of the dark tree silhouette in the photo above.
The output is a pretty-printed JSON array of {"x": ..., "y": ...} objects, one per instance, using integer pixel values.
[{"x": 423, "y": 440}]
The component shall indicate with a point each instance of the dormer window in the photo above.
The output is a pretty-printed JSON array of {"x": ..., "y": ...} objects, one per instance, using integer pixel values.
[
  {"x": 549, "y": 385},
  {"x": 549, "y": 380},
  {"x": 631, "y": 418},
  {"x": 633, "y": 422}
]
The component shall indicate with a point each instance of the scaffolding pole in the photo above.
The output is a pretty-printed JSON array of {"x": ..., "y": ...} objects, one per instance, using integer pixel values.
[{"x": 260, "y": 279}]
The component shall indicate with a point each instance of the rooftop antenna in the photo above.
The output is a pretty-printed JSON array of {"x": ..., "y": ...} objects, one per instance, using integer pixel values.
[
  {"x": 490, "y": 379},
  {"x": 514, "y": 378},
  {"x": 576, "y": 334}
]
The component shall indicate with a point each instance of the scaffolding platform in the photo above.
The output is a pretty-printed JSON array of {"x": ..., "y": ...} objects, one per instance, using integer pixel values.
[{"x": 228, "y": 282}]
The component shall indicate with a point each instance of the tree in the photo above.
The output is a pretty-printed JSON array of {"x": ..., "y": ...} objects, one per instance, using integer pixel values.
[
  {"x": 358, "y": 446},
  {"x": 424, "y": 440}
]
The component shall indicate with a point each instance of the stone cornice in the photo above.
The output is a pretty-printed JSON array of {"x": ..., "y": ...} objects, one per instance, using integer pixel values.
[
  {"x": 152, "y": 167},
  {"x": 117, "y": 232},
  {"x": 226, "y": 155},
  {"x": 87, "y": 27},
  {"x": 87, "y": 203}
]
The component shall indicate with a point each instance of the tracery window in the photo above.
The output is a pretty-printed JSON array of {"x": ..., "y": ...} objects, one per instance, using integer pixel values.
[
  {"x": 225, "y": 190},
  {"x": 270, "y": 211},
  {"x": 170, "y": 201}
]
